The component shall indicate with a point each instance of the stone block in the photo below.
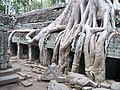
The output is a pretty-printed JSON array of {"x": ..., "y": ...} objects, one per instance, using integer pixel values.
[
  {"x": 3, "y": 66},
  {"x": 22, "y": 74},
  {"x": 100, "y": 89},
  {"x": 53, "y": 85},
  {"x": 87, "y": 88},
  {"x": 115, "y": 86},
  {"x": 61, "y": 79},
  {"x": 29, "y": 76},
  {"x": 105, "y": 85},
  {"x": 8, "y": 79},
  {"x": 20, "y": 77},
  {"x": 51, "y": 73},
  {"x": 26, "y": 83},
  {"x": 6, "y": 72},
  {"x": 16, "y": 69}
]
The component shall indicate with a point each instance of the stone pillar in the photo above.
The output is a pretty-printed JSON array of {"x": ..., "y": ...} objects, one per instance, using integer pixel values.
[
  {"x": 30, "y": 52},
  {"x": 4, "y": 58},
  {"x": 19, "y": 51}
]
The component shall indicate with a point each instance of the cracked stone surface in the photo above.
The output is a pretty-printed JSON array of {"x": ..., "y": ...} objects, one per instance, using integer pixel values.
[
  {"x": 51, "y": 73},
  {"x": 53, "y": 85},
  {"x": 115, "y": 86}
]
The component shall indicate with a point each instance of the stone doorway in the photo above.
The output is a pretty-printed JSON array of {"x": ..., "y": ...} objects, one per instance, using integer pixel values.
[
  {"x": 113, "y": 68},
  {"x": 35, "y": 52},
  {"x": 23, "y": 51},
  {"x": 14, "y": 49}
]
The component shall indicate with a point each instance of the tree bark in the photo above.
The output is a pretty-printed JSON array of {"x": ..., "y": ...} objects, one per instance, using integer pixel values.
[{"x": 93, "y": 21}]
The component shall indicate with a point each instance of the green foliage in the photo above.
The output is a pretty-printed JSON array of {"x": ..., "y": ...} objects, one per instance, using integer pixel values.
[
  {"x": 16, "y": 5},
  {"x": 49, "y": 3},
  {"x": 21, "y": 6},
  {"x": 35, "y": 5},
  {"x": 2, "y": 7},
  {"x": 117, "y": 22},
  {"x": 62, "y": 1}
]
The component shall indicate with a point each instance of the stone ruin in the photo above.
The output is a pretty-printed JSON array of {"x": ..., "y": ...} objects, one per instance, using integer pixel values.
[
  {"x": 37, "y": 20},
  {"x": 4, "y": 28}
]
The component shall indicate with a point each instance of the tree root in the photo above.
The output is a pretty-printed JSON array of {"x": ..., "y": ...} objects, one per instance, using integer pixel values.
[{"x": 94, "y": 21}]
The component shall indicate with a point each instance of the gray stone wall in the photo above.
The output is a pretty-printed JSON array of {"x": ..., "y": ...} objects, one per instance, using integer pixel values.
[
  {"x": 37, "y": 19},
  {"x": 5, "y": 19},
  {"x": 114, "y": 47}
]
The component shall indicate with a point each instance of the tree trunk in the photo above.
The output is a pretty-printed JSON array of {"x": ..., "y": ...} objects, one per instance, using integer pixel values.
[{"x": 93, "y": 21}]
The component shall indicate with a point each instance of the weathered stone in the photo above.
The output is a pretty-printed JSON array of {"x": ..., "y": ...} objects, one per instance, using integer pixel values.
[
  {"x": 20, "y": 77},
  {"x": 61, "y": 79},
  {"x": 87, "y": 88},
  {"x": 4, "y": 57},
  {"x": 115, "y": 86},
  {"x": 79, "y": 79},
  {"x": 105, "y": 85},
  {"x": 39, "y": 78},
  {"x": 4, "y": 19},
  {"x": 40, "y": 15},
  {"x": 74, "y": 89},
  {"x": 51, "y": 73},
  {"x": 29, "y": 76},
  {"x": 53, "y": 85},
  {"x": 38, "y": 72},
  {"x": 17, "y": 69},
  {"x": 110, "y": 81},
  {"x": 22, "y": 74},
  {"x": 6, "y": 72},
  {"x": 78, "y": 87},
  {"x": 8, "y": 79},
  {"x": 92, "y": 83},
  {"x": 26, "y": 83},
  {"x": 100, "y": 89},
  {"x": 114, "y": 47}
]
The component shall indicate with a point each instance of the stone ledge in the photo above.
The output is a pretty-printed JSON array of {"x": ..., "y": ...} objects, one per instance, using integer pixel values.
[
  {"x": 6, "y": 72},
  {"x": 8, "y": 79}
]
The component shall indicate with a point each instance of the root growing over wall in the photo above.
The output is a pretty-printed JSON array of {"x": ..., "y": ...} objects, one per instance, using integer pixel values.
[{"x": 93, "y": 22}]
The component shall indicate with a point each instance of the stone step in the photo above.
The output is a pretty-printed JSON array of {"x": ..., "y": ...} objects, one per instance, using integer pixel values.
[
  {"x": 17, "y": 69},
  {"x": 6, "y": 72},
  {"x": 9, "y": 71},
  {"x": 4, "y": 80},
  {"x": 20, "y": 77}
]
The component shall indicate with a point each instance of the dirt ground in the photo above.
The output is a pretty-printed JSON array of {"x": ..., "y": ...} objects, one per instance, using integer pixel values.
[{"x": 18, "y": 86}]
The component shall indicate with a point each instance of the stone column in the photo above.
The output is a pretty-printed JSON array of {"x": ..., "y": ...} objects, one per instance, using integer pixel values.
[
  {"x": 4, "y": 58},
  {"x": 30, "y": 53},
  {"x": 19, "y": 51}
]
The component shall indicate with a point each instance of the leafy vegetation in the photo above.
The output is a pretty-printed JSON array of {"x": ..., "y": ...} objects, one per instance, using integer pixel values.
[
  {"x": 117, "y": 22},
  {"x": 22, "y": 6},
  {"x": 49, "y": 3},
  {"x": 2, "y": 6}
]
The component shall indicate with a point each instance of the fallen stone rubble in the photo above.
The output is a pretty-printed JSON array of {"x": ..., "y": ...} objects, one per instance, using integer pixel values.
[
  {"x": 54, "y": 85},
  {"x": 56, "y": 81},
  {"x": 74, "y": 80}
]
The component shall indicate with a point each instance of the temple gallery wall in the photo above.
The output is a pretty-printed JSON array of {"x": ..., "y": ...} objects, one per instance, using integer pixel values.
[{"x": 37, "y": 20}]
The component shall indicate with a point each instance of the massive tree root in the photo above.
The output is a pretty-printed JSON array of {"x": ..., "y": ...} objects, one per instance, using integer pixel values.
[{"x": 92, "y": 21}]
